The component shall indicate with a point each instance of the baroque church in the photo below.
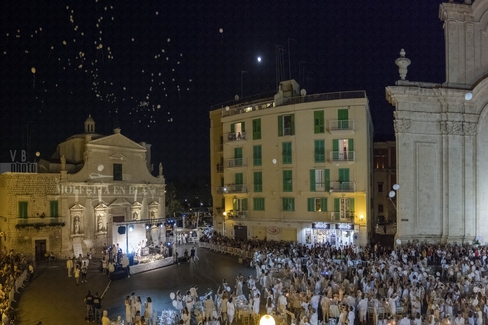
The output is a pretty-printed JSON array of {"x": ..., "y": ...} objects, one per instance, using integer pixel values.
[
  {"x": 442, "y": 135},
  {"x": 85, "y": 197}
]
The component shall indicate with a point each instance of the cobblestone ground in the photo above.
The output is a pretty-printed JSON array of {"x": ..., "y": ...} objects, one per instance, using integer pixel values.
[{"x": 54, "y": 298}]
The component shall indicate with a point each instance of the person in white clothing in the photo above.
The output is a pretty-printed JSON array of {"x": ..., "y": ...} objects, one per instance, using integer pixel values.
[
  {"x": 351, "y": 316},
  {"x": 230, "y": 310}
]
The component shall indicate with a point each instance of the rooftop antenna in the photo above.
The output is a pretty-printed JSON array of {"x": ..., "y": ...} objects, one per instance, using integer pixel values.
[
  {"x": 289, "y": 55},
  {"x": 280, "y": 67}
]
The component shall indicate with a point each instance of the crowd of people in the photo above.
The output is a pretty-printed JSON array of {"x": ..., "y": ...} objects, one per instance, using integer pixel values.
[
  {"x": 15, "y": 271},
  {"x": 415, "y": 283}
]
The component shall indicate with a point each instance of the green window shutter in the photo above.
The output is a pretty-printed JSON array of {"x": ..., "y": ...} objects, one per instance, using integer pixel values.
[
  {"x": 350, "y": 144},
  {"x": 54, "y": 209},
  {"x": 337, "y": 205},
  {"x": 280, "y": 125},
  {"x": 222, "y": 181},
  {"x": 287, "y": 181},
  {"x": 319, "y": 150},
  {"x": 223, "y": 203},
  {"x": 258, "y": 203},
  {"x": 343, "y": 174},
  {"x": 232, "y": 128},
  {"x": 323, "y": 204},
  {"x": 327, "y": 179},
  {"x": 343, "y": 114},
  {"x": 258, "y": 181},
  {"x": 234, "y": 205},
  {"x": 23, "y": 209},
  {"x": 256, "y": 129},
  {"x": 243, "y": 126},
  {"x": 335, "y": 145},
  {"x": 286, "y": 153},
  {"x": 239, "y": 178},
  {"x": 244, "y": 204},
  {"x": 237, "y": 152},
  {"x": 351, "y": 205},
  {"x": 312, "y": 180},
  {"x": 292, "y": 118},
  {"x": 318, "y": 117},
  {"x": 311, "y": 204},
  {"x": 257, "y": 155}
]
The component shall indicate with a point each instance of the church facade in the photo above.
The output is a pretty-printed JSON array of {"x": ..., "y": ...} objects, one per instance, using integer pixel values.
[
  {"x": 441, "y": 136},
  {"x": 83, "y": 198}
]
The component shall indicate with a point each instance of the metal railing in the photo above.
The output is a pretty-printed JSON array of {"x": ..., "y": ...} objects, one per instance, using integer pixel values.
[
  {"x": 232, "y": 188},
  {"x": 342, "y": 187},
  {"x": 342, "y": 156},
  {"x": 341, "y": 125},
  {"x": 235, "y": 136},
  {"x": 337, "y": 216},
  {"x": 236, "y": 162}
]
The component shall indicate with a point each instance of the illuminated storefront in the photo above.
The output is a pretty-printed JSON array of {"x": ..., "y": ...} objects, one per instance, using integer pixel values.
[{"x": 336, "y": 234}]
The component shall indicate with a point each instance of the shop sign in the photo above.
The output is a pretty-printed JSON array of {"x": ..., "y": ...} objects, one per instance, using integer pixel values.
[
  {"x": 320, "y": 225},
  {"x": 273, "y": 230},
  {"x": 345, "y": 226}
]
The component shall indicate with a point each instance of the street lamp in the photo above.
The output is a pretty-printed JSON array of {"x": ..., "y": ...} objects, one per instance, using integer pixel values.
[
  {"x": 267, "y": 320},
  {"x": 392, "y": 194}
]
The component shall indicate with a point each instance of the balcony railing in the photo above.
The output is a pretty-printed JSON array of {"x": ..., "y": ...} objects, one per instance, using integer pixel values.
[
  {"x": 239, "y": 215},
  {"x": 45, "y": 221},
  {"x": 342, "y": 187},
  {"x": 341, "y": 125},
  {"x": 220, "y": 169},
  {"x": 344, "y": 216},
  {"x": 236, "y": 162},
  {"x": 232, "y": 188},
  {"x": 338, "y": 156},
  {"x": 235, "y": 136}
]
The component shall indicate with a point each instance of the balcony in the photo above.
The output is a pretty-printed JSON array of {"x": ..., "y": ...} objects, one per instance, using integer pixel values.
[
  {"x": 342, "y": 216},
  {"x": 235, "y": 136},
  {"x": 341, "y": 127},
  {"x": 232, "y": 188},
  {"x": 238, "y": 215},
  {"x": 236, "y": 162},
  {"x": 39, "y": 222},
  {"x": 342, "y": 156},
  {"x": 342, "y": 187},
  {"x": 220, "y": 169}
]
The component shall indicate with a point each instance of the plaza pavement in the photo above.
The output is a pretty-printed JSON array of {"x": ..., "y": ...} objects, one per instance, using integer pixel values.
[{"x": 54, "y": 298}]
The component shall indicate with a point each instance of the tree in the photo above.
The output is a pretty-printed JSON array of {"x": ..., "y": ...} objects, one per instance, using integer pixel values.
[{"x": 173, "y": 205}]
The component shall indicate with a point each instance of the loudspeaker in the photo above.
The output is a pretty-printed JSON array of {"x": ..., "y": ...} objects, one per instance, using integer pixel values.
[{"x": 121, "y": 230}]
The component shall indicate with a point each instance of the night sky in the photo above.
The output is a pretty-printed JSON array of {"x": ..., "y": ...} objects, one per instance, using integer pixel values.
[{"x": 155, "y": 68}]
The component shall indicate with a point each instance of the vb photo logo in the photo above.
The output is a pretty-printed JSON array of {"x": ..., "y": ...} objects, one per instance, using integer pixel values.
[{"x": 19, "y": 163}]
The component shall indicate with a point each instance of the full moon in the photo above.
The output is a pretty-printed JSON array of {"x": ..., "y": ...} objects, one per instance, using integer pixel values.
[{"x": 259, "y": 59}]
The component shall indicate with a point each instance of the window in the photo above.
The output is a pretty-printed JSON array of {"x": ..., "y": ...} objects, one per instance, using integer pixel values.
[
  {"x": 238, "y": 157},
  {"x": 286, "y": 152},
  {"x": 380, "y": 187},
  {"x": 286, "y": 125},
  {"x": 23, "y": 209},
  {"x": 258, "y": 181},
  {"x": 257, "y": 155},
  {"x": 117, "y": 172},
  {"x": 258, "y": 203},
  {"x": 319, "y": 180},
  {"x": 237, "y": 131},
  {"x": 343, "y": 175},
  {"x": 239, "y": 178},
  {"x": 288, "y": 204},
  {"x": 317, "y": 204},
  {"x": 239, "y": 204},
  {"x": 53, "y": 207},
  {"x": 256, "y": 129},
  {"x": 287, "y": 181},
  {"x": 319, "y": 150},
  {"x": 222, "y": 202},
  {"x": 380, "y": 208},
  {"x": 318, "y": 122},
  {"x": 380, "y": 158},
  {"x": 343, "y": 117},
  {"x": 343, "y": 149},
  {"x": 343, "y": 208}
]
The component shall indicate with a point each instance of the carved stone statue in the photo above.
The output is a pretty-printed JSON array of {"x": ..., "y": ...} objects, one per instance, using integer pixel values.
[
  {"x": 76, "y": 225},
  {"x": 135, "y": 216},
  {"x": 160, "y": 169},
  {"x": 99, "y": 223},
  {"x": 63, "y": 162}
]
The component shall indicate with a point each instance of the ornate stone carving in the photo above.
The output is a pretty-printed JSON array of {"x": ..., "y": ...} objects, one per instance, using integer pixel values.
[
  {"x": 451, "y": 128},
  {"x": 443, "y": 127},
  {"x": 402, "y": 125},
  {"x": 469, "y": 128}
]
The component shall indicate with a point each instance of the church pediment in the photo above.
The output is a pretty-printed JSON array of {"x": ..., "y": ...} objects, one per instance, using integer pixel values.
[
  {"x": 101, "y": 206},
  {"x": 116, "y": 140},
  {"x": 77, "y": 206},
  {"x": 154, "y": 205},
  {"x": 119, "y": 202},
  {"x": 118, "y": 156},
  {"x": 136, "y": 205}
]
